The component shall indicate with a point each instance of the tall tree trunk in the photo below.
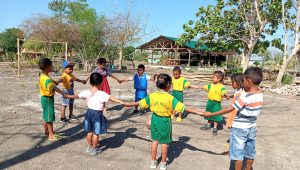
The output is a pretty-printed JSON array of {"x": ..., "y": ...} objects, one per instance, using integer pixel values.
[
  {"x": 120, "y": 57},
  {"x": 287, "y": 59}
]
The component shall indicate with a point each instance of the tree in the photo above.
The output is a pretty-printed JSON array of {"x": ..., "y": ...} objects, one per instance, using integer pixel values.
[
  {"x": 289, "y": 25},
  {"x": 239, "y": 25},
  {"x": 124, "y": 29},
  {"x": 8, "y": 39}
]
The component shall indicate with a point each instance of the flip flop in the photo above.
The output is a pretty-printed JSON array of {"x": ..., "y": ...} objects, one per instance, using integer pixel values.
[{"x": 55, "y": 138}]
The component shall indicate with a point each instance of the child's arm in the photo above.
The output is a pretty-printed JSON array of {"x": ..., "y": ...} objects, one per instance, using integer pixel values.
[
  {"x": 56, "y": 89},
  {"x": 114, "y": 99},
  {"x": 190, "y": 110},
  {"x": 125, "y": 80},
  {"x": 116, "y": 78},
  {"x": 221, "y": 112},
  {"x": 74, "y": 96},
  {"x": 81, "y": 81},
  {"x": 131, "y": 104},
  {"x": 195, "y": 87},
  {"x": 228, "y": 96}
]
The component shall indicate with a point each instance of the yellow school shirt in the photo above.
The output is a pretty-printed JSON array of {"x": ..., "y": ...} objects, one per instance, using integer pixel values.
[
  {"x": 68, "y": 81},
  {"x": 180, "y": 83},
  {"x": 162, "y": 104},
  {"x": 46, "y": 85},
  {"x": 215, "y": 91}
]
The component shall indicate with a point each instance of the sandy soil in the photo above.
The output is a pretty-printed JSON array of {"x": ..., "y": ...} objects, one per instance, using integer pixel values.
[{"x": 127, "y": 144}]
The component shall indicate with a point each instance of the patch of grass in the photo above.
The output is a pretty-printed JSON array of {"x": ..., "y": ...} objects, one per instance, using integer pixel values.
[{"x": 287, "y": 79}]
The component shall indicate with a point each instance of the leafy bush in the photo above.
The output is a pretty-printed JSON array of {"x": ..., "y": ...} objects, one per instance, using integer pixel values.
[{"x": 287, "y": 79}]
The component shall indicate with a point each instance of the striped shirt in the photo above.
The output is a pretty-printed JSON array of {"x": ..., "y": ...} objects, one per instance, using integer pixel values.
[{"x": 249, "y": 106}]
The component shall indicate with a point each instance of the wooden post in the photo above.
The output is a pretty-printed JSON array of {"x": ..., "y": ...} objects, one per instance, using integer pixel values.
[
  {"x": 66, "y": 52},
  {"x": 151, "y": 57},
  {"x": 18, "y": 46},
  {"x": 162, "y": 56},
  {"x": 189, "y": 62}
]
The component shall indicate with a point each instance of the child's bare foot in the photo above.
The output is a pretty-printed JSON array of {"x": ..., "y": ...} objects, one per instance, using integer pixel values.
[{"x": 179, "y": 119}]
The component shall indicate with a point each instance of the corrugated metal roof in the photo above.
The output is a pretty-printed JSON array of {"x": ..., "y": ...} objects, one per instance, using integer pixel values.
[{"x": 191, "y": 44}]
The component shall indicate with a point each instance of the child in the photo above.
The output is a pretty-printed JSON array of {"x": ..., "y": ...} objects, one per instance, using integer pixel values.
[
  {"x": 161, "y": 103},
  {"x": 101, "y": 69},
  {"x": 47, "y": 92},
  {"x": 94, "y": 121},
  {"x": 216, "y": 92},
  {"x": 237, "y": 81},
  {"x": 179, "y": 84},
  {"x": 140, "y": 84},
  {"x": 67, "y": 80},
  {"x": 243, "y": 132}
]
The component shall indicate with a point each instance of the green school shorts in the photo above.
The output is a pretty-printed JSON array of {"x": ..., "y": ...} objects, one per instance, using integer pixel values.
[
  {"x": 178, "y": 95},
  {"x": 213, "y": 106},
  {"x": 48, "y": 108},
  {"x": 161, "y": 129}
]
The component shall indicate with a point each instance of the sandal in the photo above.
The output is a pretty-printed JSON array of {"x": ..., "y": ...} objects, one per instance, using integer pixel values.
[{"x": 55, "y": 138}]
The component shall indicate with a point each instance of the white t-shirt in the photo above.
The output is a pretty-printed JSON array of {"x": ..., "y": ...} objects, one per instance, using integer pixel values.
[{"x": 95, "y": 100}]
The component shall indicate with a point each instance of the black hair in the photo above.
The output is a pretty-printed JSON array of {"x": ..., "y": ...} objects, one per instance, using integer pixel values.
[
  {"x": 141, "y": 66},
  {"x": 220, "y": 75},
  {"x": 44, "y": 63},
  {"x": 101, "y": 61},
  {"x": 177, "y": 68},
  {"x": 163, "y": 81},
  {"x": 95, "y": 79},
  {"x": 238, "y": 78},
  {"x": 254, "y": 74}
]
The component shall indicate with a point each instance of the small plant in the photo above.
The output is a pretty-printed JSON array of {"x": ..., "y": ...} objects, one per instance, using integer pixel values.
[
  {"x": 287, "y": 79},
  {"x": 256, "y": 63}
]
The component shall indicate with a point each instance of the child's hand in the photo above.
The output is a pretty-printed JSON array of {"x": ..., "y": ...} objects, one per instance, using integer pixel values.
[
  {"x": 120, "y": 81},
  {"x": 84, "y": 81},
  {"x": 66, "y": 96},
  {"x": 206, "y": 114}
]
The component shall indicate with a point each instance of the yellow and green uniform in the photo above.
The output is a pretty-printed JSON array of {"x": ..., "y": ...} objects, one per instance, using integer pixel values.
[
  {"x": 162, "y": 105},
  {"x": 178, "y": 86},
  {"x": 215, "y": 96},
  {"x": 47, "y": 97},
  {"x": 68, "y": 81}
]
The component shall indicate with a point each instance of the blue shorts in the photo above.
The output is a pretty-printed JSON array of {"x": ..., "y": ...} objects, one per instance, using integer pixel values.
[
  {"x": 67, "y": 102},
  {"x": 242, "y": 143},
  {"x": 140, "y": 94},
  {"x": 94, "y": 121}
]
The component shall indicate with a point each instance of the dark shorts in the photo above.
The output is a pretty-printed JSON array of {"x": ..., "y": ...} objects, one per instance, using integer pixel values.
[
  {"x": 48, "y": 108},
  {"x": 161, "y": 129},
  {"x": 178, "y": 95},
  {"x": 95, "y": 122}
]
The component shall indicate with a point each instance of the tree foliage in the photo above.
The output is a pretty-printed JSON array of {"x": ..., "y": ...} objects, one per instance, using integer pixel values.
[
  {"x": 8, "y": 39},
  {"x": 237, "y": 25}
]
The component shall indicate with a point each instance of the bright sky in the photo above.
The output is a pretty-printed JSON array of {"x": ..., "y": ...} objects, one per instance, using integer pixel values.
[{"x": 164, "y": 17}]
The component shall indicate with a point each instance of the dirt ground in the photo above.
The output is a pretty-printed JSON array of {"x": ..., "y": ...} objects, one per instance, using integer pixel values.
[{"x": 127, "y": 144}]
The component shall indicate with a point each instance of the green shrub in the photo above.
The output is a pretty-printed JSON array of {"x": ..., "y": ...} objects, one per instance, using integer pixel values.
[{"x": 287, "y": 79}]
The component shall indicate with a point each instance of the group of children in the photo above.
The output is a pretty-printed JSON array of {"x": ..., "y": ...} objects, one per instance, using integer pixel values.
[{"x": 245, "y": 107}]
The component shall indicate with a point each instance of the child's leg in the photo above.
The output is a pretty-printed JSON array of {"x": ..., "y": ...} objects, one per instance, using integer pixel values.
[
  {"x": 63, "y": 111},
  {"x": 89, "y": 138},
  {"x": 249, "y": 164},
  {"x": 164, "y": 152},
  {"x": 45, "y": 128},
  {"x": 50, "y": 129},
  {"x": 238, "y": 164},
  {"x": 154, "y": 149},
  {"x": 215, "y": 124},
  {"x": 71, "y": 108},
  {"x": 95, "y": 140}
]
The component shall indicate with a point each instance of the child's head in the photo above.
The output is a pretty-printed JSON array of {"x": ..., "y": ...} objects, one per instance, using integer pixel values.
[
  {"x": 164, "y": 82},
  {"x": 68, "y": 66},
  {"x": 95, "y": 79},
  {"x": 237, "y": 81},
  {"x": 252, "y": 77},
  {"x": 141, "y": 69},
  {"x": 45, "y": 65},
  {"x": 101, "y": 62},
  {"x": 176, "y": 72},
  {"x": 218, "y": 77}
]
